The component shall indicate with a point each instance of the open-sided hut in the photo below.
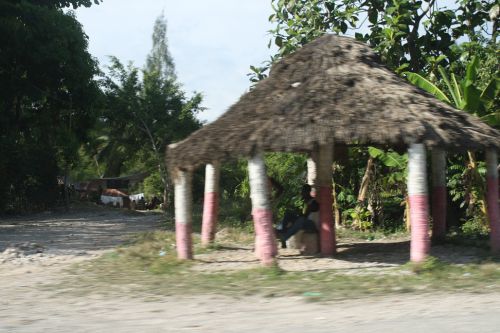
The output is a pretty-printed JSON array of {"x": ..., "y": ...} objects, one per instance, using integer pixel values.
[{"x": 333, "y": 91}]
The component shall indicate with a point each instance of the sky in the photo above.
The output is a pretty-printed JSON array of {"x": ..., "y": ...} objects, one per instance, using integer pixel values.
[{"x": 213, "y": 42}]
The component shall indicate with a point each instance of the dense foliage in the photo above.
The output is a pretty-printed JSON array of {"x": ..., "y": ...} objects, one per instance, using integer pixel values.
[
  {"x": 47, "y": 100},
  {"x": 437, "y": 42},
  {"x": 144, "y": 110},
  {"x": 61, "y": 116},
  {"x": 408, "y": 34}
]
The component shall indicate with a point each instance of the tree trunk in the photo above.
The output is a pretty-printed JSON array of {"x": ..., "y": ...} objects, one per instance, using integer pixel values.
[
  {"x": 407, "y": 214},
  {"x": 163, "y": 175},
  {"x": 161, "y": 167},
  {"x": 363, "y": 192},
  {"x": 365, "y": 182},
  {"x": 336, "y": 209},
  {"x": 98, "y": 167},
  {"x": 165, "y": 199},
  {"x": 474, "y": 178}
]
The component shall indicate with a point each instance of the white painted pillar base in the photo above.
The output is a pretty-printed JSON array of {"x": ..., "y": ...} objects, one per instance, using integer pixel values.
[
  {"x": 210, "y": 203},
  {"x": 438, "y": 194},
  {"x": 265, "y": 240},
  {"x": 183, "y": 214},
  {"x": 492, "y": 199},
  {"x": 325, "y": 199},
  {"x": 419, "y": 203}
]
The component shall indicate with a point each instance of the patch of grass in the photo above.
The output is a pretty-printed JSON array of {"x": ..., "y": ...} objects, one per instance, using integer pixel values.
[
  {"x": 152, "y": 252},
  {"x": 462, "y": 239},
  {"x": 234, "y": 236},
  {"x": 148, "y": 266},
  {"x": 139, "y": 274},
  {"x": 347, "y": 233},
  {"x": 429, "y": 265}
]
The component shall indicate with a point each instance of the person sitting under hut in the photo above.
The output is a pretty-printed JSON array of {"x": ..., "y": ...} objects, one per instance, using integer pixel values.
[{"x": 307, "y": 221}]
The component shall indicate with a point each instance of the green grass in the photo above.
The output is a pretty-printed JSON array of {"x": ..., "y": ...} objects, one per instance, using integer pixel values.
[
  {"x": 372, "y": 235},
  {"x": 172, "y": 277},
  {"x": 148, "y": 267}
]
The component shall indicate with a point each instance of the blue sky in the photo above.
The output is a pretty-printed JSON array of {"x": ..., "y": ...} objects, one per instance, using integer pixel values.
[{"x": 213, "y": 43}]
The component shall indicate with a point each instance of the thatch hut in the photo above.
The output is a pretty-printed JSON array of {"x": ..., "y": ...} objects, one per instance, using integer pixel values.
[{"x": 332, "y": 92}]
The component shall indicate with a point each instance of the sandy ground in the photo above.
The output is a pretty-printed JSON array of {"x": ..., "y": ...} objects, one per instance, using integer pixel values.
[{"x": 36, "y": 251}]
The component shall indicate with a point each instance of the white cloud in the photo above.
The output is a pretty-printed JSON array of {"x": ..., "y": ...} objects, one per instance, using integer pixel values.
[{"x": 213, "y": 42}]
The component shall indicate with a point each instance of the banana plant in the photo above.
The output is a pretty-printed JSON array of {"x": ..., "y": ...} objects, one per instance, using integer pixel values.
[{"x": 465, "y": 94}]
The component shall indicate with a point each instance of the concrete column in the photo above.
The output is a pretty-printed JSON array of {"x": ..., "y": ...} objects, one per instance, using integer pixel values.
[
  {"x": 312, "y": 172},
  {"x": 419, "y": 203},
  {"x": 183, "y": 214},
  {"x": 210, "y": 203},
  {"x": 438, "y": 194},
  {"x": 265, "y": 240},
  {"x": 325, "y": 200},
  {"x": 492, "y": 199}
]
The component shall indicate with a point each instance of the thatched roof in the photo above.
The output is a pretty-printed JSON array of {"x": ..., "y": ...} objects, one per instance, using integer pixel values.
[{"x": 332, "y": 89}]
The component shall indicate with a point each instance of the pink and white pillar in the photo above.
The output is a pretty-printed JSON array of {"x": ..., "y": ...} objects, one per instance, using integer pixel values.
[
  {"x": 438, "y": 194},
  {"x": 492, "y": 199},
  {"x": 183, "y": 214},
  {"x": 265, "y": 240},
  {"x": 210, "y": 203},
  {"x": 419, "y": 203},
  {"x": 328, "y": 244},
  {"x": 312, "y": 173}
]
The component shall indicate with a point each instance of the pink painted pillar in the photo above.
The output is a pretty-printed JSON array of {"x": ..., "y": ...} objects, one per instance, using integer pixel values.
[
  {"x": 492, "y": 199},
  {"x": 265, "y": 240},
  {"x": 183, "y": 214},
  {"x": 210, "y": 203},
  {"x": 328, "y": 244},
  {"x": 312, "y": 173},
  {"x": 419, "y": 203},
  {"x": 438, "y": 195}
]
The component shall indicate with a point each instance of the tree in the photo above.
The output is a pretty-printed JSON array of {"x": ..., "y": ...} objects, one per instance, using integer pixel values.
[
  {"x": 159, "y": 59},
  {"x": 408, "y": 34},
  {"x": 465, "y": 94},
  {"x": 67, "y": 3},
  {"x": 47, "y": 99},
  {"x": 146, "y": 110}
]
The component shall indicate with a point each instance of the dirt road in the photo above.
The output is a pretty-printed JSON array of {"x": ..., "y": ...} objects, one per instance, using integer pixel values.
[
  {"x": 52, "y": 242},
  {"x": 75, "y": 232}
]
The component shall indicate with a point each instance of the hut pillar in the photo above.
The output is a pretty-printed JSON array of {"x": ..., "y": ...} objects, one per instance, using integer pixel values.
[
  {"x": 419, "y": 203},
  {"x": 312, "y": 173},
  {"x": 325, "y": 200},
  {"x": 183, "y": 214},
  {"x": 210, "y": 203},
  {"x": 265, "y": 240},
  {"x": 492, "y": 199},
  {"x": 438, "y": 195}
]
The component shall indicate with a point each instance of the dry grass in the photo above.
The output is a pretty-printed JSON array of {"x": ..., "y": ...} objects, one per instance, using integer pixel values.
[{"x": 148, "y": 267}]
